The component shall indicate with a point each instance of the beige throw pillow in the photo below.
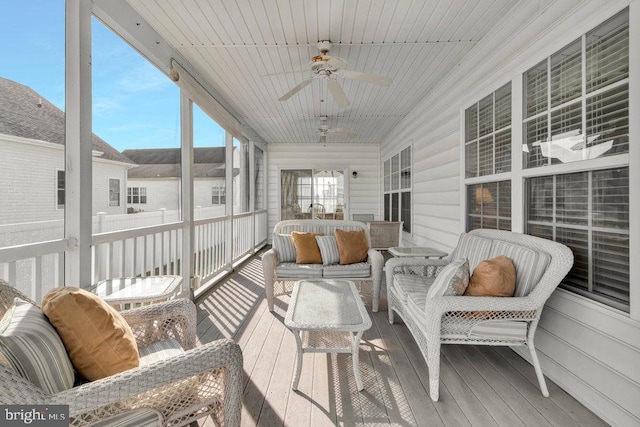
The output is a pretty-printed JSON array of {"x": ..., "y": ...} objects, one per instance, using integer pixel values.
[
  {"x": 98, "y": 340},
  {"x": 307, "y": 250},
  {"x": 495, "y": 277},
  {"x": 352, "y": 245}
]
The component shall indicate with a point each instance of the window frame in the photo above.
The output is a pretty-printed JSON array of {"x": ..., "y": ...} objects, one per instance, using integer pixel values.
[
  {"x": 132, "y": 196},
  {"x": 398, "y": 184},
  {"x": 114, "y": 203},
  {"x": 496, "y": 176},
  {"x": 59, "y": 190}
]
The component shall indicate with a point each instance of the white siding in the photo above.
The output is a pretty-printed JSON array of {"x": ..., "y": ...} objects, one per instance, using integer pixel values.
[
  {"x": 364, "y": 191},
  {"x": 590, "y": 350},
  {"x": 28, "y": 182},
  {"x": 102, "y": 172},
  {"x": 161, "y": 193}
]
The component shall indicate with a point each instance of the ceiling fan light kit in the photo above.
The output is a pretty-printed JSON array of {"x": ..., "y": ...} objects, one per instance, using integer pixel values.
[{"x": 329, "y": 67}]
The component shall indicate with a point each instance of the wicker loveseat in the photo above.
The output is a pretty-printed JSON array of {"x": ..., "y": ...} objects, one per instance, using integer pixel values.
[
  {"x": 279, "y": 276},
  {"x": 540, "y": 266},
  {"x": 174, "y": 387}
]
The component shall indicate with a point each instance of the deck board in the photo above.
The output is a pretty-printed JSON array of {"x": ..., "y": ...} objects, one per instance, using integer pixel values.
[{"x": 479, "y": 386}]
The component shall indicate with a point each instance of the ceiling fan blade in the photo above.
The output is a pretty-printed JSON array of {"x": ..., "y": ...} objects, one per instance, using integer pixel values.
[
  {"x": 369, "y": 78},
  {"x": 295, "y": 90},
  {"x": 338, "y": 94}
]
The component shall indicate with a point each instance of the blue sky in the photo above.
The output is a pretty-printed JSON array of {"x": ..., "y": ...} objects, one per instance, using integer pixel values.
[{"x": 134, "y": 104}]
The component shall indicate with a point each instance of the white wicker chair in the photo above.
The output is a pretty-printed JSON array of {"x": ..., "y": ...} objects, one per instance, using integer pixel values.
[
  {"x": 469, "y": 319},
  {"x": 204, "y": 380}
]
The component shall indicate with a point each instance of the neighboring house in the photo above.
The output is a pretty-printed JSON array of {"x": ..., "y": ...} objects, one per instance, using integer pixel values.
[
  {"x": 155, "y": 183},
  {"x": 32, "y": 137}
]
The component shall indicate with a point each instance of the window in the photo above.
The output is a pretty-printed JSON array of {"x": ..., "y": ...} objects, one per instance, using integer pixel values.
[
  {"x": 60, "y": 189},
  {"x": 562, "y": 105},
  {"x": 589, "y": 212},
  {"x": 487, "y": 153},
  {"x": 576, "y": 108},
  {"x": 136, "y": 195},
  {"x": 397, "y": 188},
  {"x": 488, "y": 135},
  {"x": 114, "y": 192},
  {"x": 489, "y": 205},
  {"x": 218, "y": 195}
]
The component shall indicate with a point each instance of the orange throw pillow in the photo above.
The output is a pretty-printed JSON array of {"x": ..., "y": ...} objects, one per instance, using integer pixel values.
[
  {"x": 307, "y": 250},
  {"x": 495, "y": 277},
  {"x": 352, "y": 245},
  {"x": 98, "y": 340}
]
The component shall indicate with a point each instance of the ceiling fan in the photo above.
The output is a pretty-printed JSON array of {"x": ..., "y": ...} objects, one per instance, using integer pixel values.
[
  {"x": 329, "y": 67},
  {"x": 324, "y": 130}
]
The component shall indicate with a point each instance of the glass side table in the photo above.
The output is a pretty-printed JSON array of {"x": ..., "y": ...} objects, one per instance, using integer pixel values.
[
  {"x": 417, "y": 251},
  {"x": 129, "y": 292}
]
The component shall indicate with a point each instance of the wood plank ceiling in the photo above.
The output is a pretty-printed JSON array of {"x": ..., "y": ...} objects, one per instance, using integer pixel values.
[{"x": 240, "y": 46}]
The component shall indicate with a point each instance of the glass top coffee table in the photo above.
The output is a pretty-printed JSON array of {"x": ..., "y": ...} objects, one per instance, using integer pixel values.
[
  {"x": 127, "y": 292},
  {"x": 327, "y": 316},
  {"x": 417, "y": 251}
]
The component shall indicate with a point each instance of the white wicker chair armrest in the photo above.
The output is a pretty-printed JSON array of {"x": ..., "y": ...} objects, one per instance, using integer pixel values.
[
  {"x": 16, "y": 390},
  {"x": 171, "y": 319},
  {"x": 147, "y": 385},
  {"x": 270, "y": 257},
  {"x": 472, "y": 303},
  {"x": 376, "y": 259}
]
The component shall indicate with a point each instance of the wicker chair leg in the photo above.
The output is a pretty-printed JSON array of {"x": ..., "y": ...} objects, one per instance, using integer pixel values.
[
  {"x": 269, "y": 291},
  {"x": 433, "y": 362},
  {"x": 536, "y": 366},
  {"x": 391, "y": 319}
]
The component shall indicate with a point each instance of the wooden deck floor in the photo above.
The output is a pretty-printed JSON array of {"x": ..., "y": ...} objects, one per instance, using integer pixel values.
[{"x": 480, "y": 386}]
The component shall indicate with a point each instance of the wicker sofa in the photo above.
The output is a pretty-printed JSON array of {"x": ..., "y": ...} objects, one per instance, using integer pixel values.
[
  {"x": 540, "y": 266},
  {"x": 279, "y": 276}
]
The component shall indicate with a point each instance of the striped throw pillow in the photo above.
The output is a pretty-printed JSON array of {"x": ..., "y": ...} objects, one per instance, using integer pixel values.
[
  {"x": 328, "y": 249},
  {"x": 33, "y": 348},
  {"x": 283, "y": 245}
]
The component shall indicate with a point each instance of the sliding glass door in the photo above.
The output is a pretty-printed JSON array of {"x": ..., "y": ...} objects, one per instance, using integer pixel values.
[{"x": 310, "y": 193}]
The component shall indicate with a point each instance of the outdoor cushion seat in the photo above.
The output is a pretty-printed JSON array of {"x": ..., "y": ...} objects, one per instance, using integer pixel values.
[
  {"x": 440, "y": 318},
  {"x": 136, "y": 418},
  {"x": 359, "y": 269},
  {"x": 159, "y": 350},
  {"x": 299, "y": 271},
  {"x": 405, "y": 284}
]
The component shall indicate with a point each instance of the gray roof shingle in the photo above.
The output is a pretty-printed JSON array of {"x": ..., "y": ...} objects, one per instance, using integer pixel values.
[
  {"x": 26, "y": 114},
  {"x": 208, "y": 162}
]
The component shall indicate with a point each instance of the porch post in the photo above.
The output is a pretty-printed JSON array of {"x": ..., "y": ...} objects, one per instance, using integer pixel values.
[
  {"x": 186, "y": 193},
  {"x": 78, "y": 183},
  {"x": 252, "y": 192},
  {"x": 228, "y": 159}
]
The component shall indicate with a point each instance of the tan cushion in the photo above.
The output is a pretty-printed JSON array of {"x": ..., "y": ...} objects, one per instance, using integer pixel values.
[
  {"x": 495, "y": 277},
  {"x": 352, "y": 245},
  {"x": 98, "y": 340},
  {"x": 307, "y": 250}
]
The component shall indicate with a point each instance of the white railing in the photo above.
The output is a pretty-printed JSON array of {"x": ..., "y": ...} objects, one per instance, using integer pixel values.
[
  {"x": 242, "y": 235},
  {"x": 210, "y": 247},
  {"x": 261, "y": 229},
  {"x": 144, "y": 251},
  {"x": 35, "y": 268}
]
